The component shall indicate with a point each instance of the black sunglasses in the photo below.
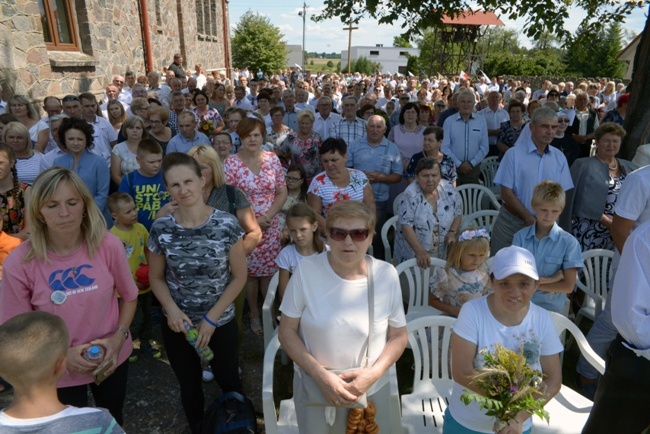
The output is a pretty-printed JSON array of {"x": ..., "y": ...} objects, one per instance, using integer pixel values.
[{"x": 357, "y": 235}]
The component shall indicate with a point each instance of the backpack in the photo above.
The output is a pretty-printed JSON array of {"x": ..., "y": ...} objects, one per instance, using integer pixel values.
[{"x": 232, "y": 413}]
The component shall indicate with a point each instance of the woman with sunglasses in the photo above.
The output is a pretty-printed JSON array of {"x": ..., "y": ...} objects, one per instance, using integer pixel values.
[{"x": 325, "y": 321}]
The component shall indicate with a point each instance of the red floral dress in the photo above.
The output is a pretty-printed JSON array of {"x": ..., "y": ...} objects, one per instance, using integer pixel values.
[
  {"x": 13, "y": 217},
  {"x": 260, "y": 190}
]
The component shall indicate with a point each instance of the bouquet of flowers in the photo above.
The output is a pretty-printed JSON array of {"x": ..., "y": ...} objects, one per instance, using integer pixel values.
[
  {"x": 508, "y": 385},
  {"x": 206, "y": 126}
]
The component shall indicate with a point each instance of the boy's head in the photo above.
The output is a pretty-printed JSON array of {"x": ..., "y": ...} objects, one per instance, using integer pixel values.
[
  {"x": 33, "y": 349},
  {"x": 149, "y": 157},
  {"x": 548, "y": 202},
  {"x": 122, "y": 208}
]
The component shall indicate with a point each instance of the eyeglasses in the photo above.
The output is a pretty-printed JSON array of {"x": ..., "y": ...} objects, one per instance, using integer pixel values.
[
  {"x": 562, "y": 121},
  {"x": 292, "y": 179},
  {"x": 357, "y": 235}
]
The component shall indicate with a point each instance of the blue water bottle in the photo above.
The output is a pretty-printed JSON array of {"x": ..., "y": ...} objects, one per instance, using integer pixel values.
[{"x": 94, "y": 353}]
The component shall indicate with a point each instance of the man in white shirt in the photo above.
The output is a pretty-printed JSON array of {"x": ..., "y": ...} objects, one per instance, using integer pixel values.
[
  {"x": 240, "y": 99},
  {"x": 124, "y": 95},
  {"x": 104, "y": 135},
  {"x": 111, "y": 94},
  {"x": 161, "y": 92},
  {"x": 494, "y": 115},
  {"x": 301, "y": 100},
  {"x": 200, "y": 77},
  {"x": 325, "y": 118}
]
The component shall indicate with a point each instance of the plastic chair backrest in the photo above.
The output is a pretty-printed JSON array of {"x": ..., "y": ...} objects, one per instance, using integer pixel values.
[
  {"x": 388, "y": 251},
  {"x": 418, "y": 280},
  {"x": 489, "y": 168},
  {"x": 429, "y": 338},
  {"x": 477, "y": 197}
]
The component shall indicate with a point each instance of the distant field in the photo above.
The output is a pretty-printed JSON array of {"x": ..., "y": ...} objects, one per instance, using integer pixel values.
[{"x": 321, "y": 65}]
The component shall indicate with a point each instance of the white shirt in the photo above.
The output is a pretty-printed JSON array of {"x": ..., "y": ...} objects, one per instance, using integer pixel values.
[
  {"x": 244, "y": 104},
  {"x": 631, "y": 297},
  {"x": 322, "y": 126},
  {"x": 103, "y": 135},
  {"x": 493, "y": 120}
]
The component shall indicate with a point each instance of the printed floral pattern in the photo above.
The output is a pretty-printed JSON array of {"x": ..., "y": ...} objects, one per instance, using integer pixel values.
[
  {"x": 330, "y": 194},
  {"x": 13, "y": 219}
]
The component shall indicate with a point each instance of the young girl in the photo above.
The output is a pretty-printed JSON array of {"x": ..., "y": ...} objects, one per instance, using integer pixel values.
[
  {"x": 466, "y": 276},
  {"x": 306, "y": 241},
  {"x": 297, "y": 187}
]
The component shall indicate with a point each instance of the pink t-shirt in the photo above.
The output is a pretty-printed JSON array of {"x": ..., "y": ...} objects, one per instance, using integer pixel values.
[{"x": 90, "y": 310}]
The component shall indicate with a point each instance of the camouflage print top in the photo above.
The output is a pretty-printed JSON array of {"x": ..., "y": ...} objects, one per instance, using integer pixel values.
[{"x": 197, "y": 261}]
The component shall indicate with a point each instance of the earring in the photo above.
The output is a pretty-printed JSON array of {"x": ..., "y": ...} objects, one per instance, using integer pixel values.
[{"x": 83, "y": 215}]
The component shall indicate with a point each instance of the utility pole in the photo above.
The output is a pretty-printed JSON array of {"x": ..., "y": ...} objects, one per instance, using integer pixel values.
[
  {"x": 303, "y": 14},
  {"x": 349, "y": 28}
]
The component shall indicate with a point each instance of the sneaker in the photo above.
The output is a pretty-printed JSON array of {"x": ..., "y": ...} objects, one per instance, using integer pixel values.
[
  {"x": 207, "y": 374},
  {"x": 150, "y": 351},
  {"x": 133, "y": 357}
]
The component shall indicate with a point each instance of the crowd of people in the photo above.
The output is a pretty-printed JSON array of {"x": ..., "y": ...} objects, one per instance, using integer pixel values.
[{"x": 192, "y": 192}]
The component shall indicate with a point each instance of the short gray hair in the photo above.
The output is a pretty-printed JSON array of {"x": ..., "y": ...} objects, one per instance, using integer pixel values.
[{"x": 542, "y": 113}]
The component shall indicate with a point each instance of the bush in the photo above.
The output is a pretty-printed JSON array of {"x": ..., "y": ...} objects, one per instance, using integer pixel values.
[{"x": 330, "y": 64}]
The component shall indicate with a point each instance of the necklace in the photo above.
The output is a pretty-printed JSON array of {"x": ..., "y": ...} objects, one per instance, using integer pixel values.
[
  {"x": 412, "y": 129},
  {"x": 610, "y": 167},
  {"x": 74, "y": 269}
]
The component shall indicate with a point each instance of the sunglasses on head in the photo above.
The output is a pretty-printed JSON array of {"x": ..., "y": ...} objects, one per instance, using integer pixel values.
[{"x": 357, "y": 235}]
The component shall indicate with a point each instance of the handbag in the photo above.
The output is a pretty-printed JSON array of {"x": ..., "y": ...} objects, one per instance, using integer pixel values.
[{"x": 313, "y": 396}]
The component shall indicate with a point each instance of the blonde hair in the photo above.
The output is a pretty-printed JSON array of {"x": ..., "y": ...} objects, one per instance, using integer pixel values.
[
  {"x": 306, "y": 114},
  {"x": 210, "y": 156},
  {"x": 32, "y": 112},
  {"x": 18, "y": 128},
  {"x": 351, "y": 209},
  {"x": 458, "y": 248},
  {"x": 32, "y": 342},
  {"x": 93, "y": 225},
  {"x": 548, "y": 192}
]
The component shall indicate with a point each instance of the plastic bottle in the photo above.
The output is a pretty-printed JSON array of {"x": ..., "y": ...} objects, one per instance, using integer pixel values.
[
  {"x": 192, "y": 334},
  {"x": 94, "y": 353}
]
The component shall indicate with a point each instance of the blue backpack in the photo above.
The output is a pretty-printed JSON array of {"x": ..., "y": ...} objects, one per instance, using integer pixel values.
[{"x": 232, "y": 413}]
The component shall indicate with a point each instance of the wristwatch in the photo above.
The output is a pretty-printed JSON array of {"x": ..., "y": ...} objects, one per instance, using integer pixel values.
[{"x": 123, "y": 330}]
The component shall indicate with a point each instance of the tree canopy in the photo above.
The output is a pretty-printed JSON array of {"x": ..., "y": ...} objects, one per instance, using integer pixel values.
[
  {"x": 258, "y": 44},
  {"x": 540, "y": 15},
  {"x": 595, "y": 55}
]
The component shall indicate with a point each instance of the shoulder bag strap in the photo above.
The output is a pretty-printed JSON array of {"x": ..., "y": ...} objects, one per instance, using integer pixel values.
[{"x": 371, "y": 305}]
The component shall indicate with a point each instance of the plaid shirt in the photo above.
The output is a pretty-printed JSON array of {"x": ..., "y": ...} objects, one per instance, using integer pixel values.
[{"x": 348, "y": 131}]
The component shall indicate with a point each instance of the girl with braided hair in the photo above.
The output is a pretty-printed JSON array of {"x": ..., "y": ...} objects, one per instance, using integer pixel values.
[{"x": 13, "y": 195}]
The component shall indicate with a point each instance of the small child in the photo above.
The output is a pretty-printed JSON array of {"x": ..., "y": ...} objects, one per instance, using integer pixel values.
[
  {"x": 134, "y": 237},
  {"x": 234, "y": 116},
  {"x": 145, "y": 185},
  {"x": 466, "y": 276},
  {"x": 557, "y": 252},
  {"x": 306, "y": 241},
  {"x": 33, "y": 357},
  {"x": 297, "y": 185}
]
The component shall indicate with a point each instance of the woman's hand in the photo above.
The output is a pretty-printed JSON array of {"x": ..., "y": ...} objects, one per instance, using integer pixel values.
[
  {"x": 423, "y": 258},
  {"x": 513, "y": 427},
  {"x": 264, "y": 221},
  {"x": 606, "y": 221},
  {"x": 205, "y": 334},
  {"x": 112, "y": 345},
  {"x": 77, "y": 363},
  {"x": 335, "y": 389},
  {"x": 167, "y": 209},
  {"x": 176, "y": 318},
  {"x": 358, "y": 381},
  {"x": 450, "y": 238}
]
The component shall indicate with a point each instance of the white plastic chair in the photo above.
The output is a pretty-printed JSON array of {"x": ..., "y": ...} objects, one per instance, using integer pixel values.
[
  {"x": 482, "y": 219},
  {"x": 489, "y": 168},
  {"x": 593, "y": 282},
  {"x": 417, "y": 284},
  {"x": 423, "y": 408},
  {"x": 286, "y": 422},
  {"x": 396, "y": 203},
  {"x": 388, "y": 250},
  {"x": 268, "y": 324},
  {"x": 477, "y": 197}
]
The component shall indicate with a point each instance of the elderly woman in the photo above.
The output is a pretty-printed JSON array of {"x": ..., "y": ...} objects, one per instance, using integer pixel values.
[
  {"x": 429, "y": 215},
  {"x": 227, "y": 198},
  {"x": 72, "y": 267},
  {"x": 424, "y": 117},
  {"x": 25, "y": 112},
  {"x": 197, "y": 269},
  {"x": 565, "y": 142},
  {"x": 597, "y": 181},
  {"x": 337, "y": 183},
  {"x": 28, "y": 162},
  {"x": 259, "y": 174},
  {"x": 508, "y": 318},
  {"x": 325, "y": 319},
  {"x": 511, "y": 129},
  {"x": 222, "y": 143},
  {"x": 203, "y": 113},
  {"x": 160, "y": 132},
  {"x": 277, "y": 131},
  {"x": 76, "y": 137},
  {"x": 301, "y": 147},
  {"x": 438, "y": 107},
  {"x": 408, "y": 135}
]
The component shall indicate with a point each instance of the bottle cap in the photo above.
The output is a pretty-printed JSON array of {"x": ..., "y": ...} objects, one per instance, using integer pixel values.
[{"x": 94, "y": 350}]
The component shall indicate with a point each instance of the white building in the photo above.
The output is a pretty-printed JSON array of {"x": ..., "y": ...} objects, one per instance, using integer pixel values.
[
  {"x": 391, "y": 59},
  {"x": 295, "y": 55}
]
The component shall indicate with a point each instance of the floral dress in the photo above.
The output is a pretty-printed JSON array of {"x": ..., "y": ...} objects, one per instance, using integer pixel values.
[
  {"x": 211, "y": 115},
  {"x": 260, "y": 190},
  {"x": 592, "y": 234},
  {"x": 304, "y": 152},
  {"x": 13, "y": 217},
  {"x": 457, "y": 287},
  {"x": 323, "y": 187}
]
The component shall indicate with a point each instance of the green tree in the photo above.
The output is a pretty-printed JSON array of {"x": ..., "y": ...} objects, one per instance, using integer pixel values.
[
  {"x": 330, "y": 64},
  {"x": 362, "y": 65},
  {"x": 258, "y": 44},
  {"x": 401, "y": 41},
  {"x": 595, "y": 55}
]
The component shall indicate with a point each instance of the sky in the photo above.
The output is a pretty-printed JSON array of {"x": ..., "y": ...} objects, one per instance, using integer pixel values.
[{"x": 329, "y": 36}]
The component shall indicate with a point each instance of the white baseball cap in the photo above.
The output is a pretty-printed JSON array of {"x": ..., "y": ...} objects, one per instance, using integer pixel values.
[{"x": 513, "y": 260}]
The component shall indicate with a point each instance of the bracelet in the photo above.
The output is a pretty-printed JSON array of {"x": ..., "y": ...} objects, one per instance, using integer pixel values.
[
  {"x": 451, "y": 231},
  {"x": 209, "y": 321},
  {"x": 123, "y": 330}
]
